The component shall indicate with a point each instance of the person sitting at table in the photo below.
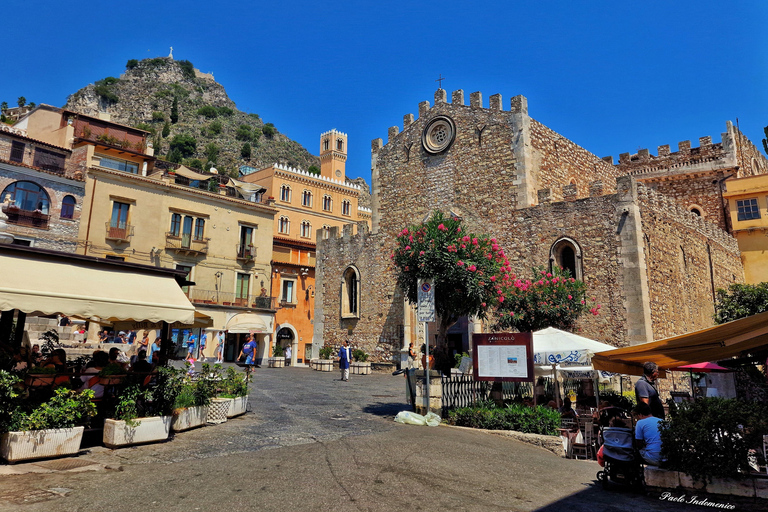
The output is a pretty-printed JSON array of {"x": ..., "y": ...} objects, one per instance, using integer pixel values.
[
  {"x": 116, "y": 356},
  {"x": 142, "y": 365},
  {"x": 19, "y": 361},
  {"x": 566, "y": 411},
  {"x": 35, "y": 357},
  {"x": 647, "y": 435},
  {"x": 89, "y": 377},
  {"x": 57, "y": 360}
]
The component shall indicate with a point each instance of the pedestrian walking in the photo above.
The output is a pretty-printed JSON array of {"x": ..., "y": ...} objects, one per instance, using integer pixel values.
[
  {"x": 203, "y": 341},
  {"x": 287, "y": 353},
  {"x": 412, "y": 361},
  {"x": 249, "y": 352},
  {"x": 344, "y": 358},
  {"x": 220, "y": 347},
  {"x": 191, "y": 346}
]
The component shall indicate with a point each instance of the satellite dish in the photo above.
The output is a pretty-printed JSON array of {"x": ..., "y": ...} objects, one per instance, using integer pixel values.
[{"x": 213, "y": 170}]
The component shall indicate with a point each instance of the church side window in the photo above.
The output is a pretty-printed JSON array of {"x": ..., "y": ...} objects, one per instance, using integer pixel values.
[
  {"x": 566, "y": 253},
  {"x": 350, "y": 293}
]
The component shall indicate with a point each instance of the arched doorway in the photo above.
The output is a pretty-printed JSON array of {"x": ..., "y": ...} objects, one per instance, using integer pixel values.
[{"x": 285, "y": 338}]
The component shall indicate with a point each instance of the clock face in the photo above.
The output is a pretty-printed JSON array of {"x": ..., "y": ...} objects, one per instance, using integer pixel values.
[
  {"x": 338, "y": 173},
  {"x": 438, "y": 135}
]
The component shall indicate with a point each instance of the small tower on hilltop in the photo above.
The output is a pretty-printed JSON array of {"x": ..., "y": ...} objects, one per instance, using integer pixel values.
[{"x": 333, "y": 155}]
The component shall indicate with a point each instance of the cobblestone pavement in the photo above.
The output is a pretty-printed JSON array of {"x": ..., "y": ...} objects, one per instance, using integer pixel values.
[{"x": 312, "y": 442}]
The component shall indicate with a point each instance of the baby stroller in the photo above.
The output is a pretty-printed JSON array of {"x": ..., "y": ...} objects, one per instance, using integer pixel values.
[{"x": 622, "y": 468}]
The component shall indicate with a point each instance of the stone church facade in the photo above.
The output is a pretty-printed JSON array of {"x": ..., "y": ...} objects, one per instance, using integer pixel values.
[{"x": 646, "y": 235}]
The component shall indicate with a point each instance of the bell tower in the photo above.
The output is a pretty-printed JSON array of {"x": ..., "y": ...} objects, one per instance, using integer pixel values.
[{"x": 333, "y": 155}]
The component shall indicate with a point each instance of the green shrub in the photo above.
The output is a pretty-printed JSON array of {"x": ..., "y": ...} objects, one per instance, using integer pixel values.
[
  {"x": 208, "y": 111},
  {"x": 158, "y": 116},
  {"x": 185, "y": 144},
  {"x": 243, "y": 132},
  {"x": 65, "y": 409},
  {"x": 214, "y": 128},
  {"x": 132, "y": 63},
  {"x": 235, "y": 384},
  {"x": 359, "y": 355},
  {"x": 269, "y": 130},
  {"x": 166, "y": 129},
  {"x": 175, "y": 110},
  {"x": 212, "y": 152},
  {"x": 194, "y": 163},
  {"x": 712, "y": 437},
  {"x": 245, "y": 151},
  {"x": 102, "y": 88},
  {"x": 186, "y": 397},
  {"x": 457, "y": 359},
  {"x": 146, "y": 127},
  {"x": 326, "y": 352},
  {"x": 313, "y": 169},
  {"x": 254, "y": 116},
  {"x": 10, "y": 399},
  {"x": 518, "y": 417},
  {"x": 187, "y": 69},
  {"x": 225, "y": 111}
]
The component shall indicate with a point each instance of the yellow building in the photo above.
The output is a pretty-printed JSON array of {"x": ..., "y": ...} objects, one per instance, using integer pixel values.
[
  {"x": 308, "y": 205},
  {"x": 215, "y": 228},
  {"x": 748, "y": 206}
]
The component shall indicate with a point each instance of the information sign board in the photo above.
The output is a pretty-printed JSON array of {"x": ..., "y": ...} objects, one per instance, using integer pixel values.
[{"x": 503, "y": 356}]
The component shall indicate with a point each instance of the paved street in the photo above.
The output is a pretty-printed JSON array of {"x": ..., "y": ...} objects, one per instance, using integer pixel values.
[{"x": 312, "y": 442}]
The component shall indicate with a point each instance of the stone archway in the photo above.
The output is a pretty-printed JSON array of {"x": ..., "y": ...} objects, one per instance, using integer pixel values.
[{"x": 286, "y": 335}]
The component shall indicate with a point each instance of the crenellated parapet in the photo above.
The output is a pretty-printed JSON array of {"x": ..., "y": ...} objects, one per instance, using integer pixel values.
[{"x": 305, "y": 174}]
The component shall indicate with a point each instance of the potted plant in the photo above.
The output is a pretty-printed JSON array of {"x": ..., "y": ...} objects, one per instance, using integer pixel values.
[
  {"x": 235, "y": 387},
  {"x": 325, "y": 364},
  {"x": 191, "y": 404},
  {"x": 141, "y": 415},
  {"x": 54, "y": 428},
  {"x": 112, "y": 374},
  {"x": 277, "y": 360},
  {"x": 360, "y": 365}
]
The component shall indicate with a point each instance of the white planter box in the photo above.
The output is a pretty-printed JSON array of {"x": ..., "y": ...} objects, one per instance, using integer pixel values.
[
  {"x": 237, "y": 407},
  {"x": 276, "y": 362},
  {"x": 324, "y": 365},
  {"x": 117, "y": 433},
  {"x": 218, "y": 410},
  {"x": 40, "y": 444},
  {"x": 189, "y": 417},
  {"x": 360, "y": 368}
]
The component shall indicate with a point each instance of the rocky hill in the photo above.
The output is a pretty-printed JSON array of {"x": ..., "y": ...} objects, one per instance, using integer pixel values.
[{"x": 190, "y": 116}]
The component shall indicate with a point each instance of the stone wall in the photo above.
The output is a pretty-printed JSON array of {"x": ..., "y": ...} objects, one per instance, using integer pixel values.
[
  {"x": 696, "y": 191},
  {"x": 61, "y": 234},
  {"x": 687, "y": 259}
]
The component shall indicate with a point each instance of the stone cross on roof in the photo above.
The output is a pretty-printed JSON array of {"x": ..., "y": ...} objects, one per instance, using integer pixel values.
[{"x": 440, "y": 80}]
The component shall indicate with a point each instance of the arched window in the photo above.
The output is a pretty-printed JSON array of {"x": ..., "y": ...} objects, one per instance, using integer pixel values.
[
  {"x": 696, "y": 210},
  {"x": 285, "y": 193},
  {"x": 68, "y": 207},
  {"x": 306, "y": 198},
  {"x": 339, "y": 145},
  {"x": 199, "y": 229},
  {"x": 28, "y": 196},
  {"x": 175, "y": 224},
  {"x": 345, "y": 207},
  {"x": 326, "y": 232},
  {"x": 326, "y": 145},
  {"x": 350, "y": 293},
  {"x": 327, "y": 203},
  {"x": 306, "y": 229},
  {"x": 566, "y": 253},
  {"x": 284, "y": 225}
]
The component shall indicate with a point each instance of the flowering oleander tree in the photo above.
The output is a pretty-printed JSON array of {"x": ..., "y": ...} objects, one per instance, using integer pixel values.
[
  {"x": 550, "y": 299},
  {"x": 468, "y": 270}
]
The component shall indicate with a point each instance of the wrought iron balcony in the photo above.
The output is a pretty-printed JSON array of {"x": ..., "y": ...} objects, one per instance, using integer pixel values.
[
  {"x": 25, "y": 218},
  {"x": 120, "y": 233},
  {"x": 231, "y": 299},
  {"x": 246, "y": 252},
  {"x": 186, "y": 244}
]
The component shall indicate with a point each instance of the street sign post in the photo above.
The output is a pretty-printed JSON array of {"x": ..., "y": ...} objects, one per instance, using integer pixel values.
[{"x": 426, "y": 313}]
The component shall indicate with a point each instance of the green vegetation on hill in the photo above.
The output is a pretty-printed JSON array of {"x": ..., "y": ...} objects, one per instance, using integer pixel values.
[{"x": 166, "y": 98}]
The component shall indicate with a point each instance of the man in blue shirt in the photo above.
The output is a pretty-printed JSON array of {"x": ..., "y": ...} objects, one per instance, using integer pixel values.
[
  {"x": 344, "y": 358},
  {"x": 647, "y": 435}
]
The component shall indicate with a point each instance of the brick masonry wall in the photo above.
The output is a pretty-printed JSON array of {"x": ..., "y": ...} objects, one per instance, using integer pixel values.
[
  {"x": 559, "y": 161},
  {"x": 61, "y": 234}
]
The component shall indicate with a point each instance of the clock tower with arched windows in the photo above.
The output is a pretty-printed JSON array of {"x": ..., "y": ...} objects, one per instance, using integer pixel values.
[{"x": 333, "y": 155}]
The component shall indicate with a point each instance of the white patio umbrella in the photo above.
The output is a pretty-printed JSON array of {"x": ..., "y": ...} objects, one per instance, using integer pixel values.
[{"x": 553, "y": 347}]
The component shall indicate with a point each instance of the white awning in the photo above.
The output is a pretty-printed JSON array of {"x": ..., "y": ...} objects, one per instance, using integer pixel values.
[
  {"x": 45, "y": 282},
  {"x": 248, "y": 322}
]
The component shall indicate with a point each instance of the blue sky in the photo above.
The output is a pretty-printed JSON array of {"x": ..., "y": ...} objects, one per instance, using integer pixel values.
[{"x": 611, "y": 76}]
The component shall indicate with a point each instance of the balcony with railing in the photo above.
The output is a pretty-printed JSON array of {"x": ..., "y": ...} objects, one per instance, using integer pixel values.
[
  {"x": 215, "y": 297},
  {"x": 108, "y": 134},
  {"x": 186, "y": 244},
  {"x": 119, "y": 233},
  {"x": 25, "y": 218},
  {"x": 246, "y": 253}
]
